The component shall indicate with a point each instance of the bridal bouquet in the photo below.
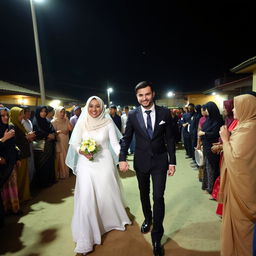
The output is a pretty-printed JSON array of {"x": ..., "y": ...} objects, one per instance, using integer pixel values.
[{"x": 90, "y": 148}]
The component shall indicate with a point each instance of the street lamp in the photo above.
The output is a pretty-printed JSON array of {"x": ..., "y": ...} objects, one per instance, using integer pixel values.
[
  {"x": 109, "y": 90},
  {"x": 38, "y": 56},
  {"x": 170, "y": 94}
]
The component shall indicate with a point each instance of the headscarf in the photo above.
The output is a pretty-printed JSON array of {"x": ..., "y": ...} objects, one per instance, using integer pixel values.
[
  {"x": 238, "y": 169},
  {"x": 195, "y": 120},
  {"x": 243, "y": 114},
  {"x": 92, "y": 123},
  {"x": 3, "y": 127},
  {"x": 89, "y": 123},
  {"x": 229, "y": 105},
  {"x": 9, "y": 151},
  {"x": 14, "y": 118},
  {"x": 42, "y": 123},
  {"x": 213, "y": 119},
  {"x": 57, "y": 114}
]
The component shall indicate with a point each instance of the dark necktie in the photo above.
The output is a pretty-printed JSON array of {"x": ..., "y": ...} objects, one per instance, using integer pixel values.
[{"x": 149, "y": 123}]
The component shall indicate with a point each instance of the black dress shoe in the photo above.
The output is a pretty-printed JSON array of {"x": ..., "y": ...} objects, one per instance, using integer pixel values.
[
  {"x": 158, "y": 249},
  {"x": 145, "y": 227}
]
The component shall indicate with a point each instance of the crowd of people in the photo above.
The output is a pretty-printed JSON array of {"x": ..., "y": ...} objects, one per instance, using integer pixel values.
[
  {"x": 226, "y": 164},
  {"x": 221, "y": 147},
  {"x": 33, "y": 149}
]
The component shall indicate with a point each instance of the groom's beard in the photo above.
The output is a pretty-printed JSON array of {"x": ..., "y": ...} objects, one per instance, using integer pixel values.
[{"x": 147, "y": 104}]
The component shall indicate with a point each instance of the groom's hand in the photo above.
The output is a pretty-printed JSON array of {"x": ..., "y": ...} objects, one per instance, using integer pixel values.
[
  {"x": 171, "y": 170},
  {"x": 123, "y": 166}
]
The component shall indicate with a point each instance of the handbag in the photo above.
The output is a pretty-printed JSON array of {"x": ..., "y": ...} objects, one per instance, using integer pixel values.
[
  {"x": 38, "y": 145},
  {"x": 199, "y": 157}
]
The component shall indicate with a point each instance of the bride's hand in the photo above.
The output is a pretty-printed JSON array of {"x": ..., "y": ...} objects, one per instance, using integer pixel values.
[
  {"x": 123, "y": 166},
  {"x": 88, "y": 156}
]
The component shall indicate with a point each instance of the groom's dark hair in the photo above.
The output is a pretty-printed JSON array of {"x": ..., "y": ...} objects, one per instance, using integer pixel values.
[{"x": 143, "y": 84}]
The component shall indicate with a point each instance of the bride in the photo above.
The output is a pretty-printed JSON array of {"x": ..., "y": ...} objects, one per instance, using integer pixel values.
[{"x": 98, "y": 202}]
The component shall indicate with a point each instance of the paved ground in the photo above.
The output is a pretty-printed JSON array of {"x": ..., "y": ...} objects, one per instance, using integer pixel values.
[{"x": 191, "y": 226}]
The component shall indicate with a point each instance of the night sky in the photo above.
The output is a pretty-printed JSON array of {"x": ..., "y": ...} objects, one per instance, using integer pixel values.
[{"x": 87, "y": 46}]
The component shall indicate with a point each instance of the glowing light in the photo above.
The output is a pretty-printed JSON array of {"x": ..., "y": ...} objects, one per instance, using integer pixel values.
[
  {"x": 213, "y": 93},
  {"x": 110, "y": 90},
  {"x": 170, "y": 94},
  {"x": 55, "y": 103},
  {"x": 39, "y": 1},
  {"x": 22, "y": 101}
]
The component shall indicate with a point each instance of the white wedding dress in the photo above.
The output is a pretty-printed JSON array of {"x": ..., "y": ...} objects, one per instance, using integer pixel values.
[{"x": 98, "y": 202}]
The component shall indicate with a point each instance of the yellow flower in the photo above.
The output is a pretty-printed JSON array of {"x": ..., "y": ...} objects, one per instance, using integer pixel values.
[
  {"x": 91, "y": 148},
  {"x": 82, "y": 148}
]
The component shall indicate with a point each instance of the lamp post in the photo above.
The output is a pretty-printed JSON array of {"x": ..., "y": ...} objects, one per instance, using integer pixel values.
[
  {"x": 38, "y": 56},
  {"x": 109, "y": 90}
]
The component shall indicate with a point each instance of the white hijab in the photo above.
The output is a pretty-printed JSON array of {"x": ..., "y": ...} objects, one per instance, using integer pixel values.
[
  {"x": 89, "y": 123},
  {"x": 92, "y": 123}
]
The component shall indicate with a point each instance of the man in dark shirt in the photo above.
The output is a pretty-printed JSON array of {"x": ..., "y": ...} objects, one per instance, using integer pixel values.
[{"x": 115, "y": 117}]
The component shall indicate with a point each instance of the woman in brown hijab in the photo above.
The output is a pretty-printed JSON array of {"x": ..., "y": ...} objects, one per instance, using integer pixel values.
[{"x": 238, "y": 180}]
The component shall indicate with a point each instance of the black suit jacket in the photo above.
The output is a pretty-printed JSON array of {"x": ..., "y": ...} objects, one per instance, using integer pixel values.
[{"x": 151, "y": 154}]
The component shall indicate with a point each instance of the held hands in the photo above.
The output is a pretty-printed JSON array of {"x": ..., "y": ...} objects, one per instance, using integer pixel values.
[
  {"x": 123, "y": 166},
  {"x": 171, "y": 170},
  {"x": 224, "y": 133}
]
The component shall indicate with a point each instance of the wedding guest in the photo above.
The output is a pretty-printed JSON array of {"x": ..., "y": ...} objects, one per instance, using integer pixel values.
[
  {"x": 50, "y": 113},
  {"x": 9, "y": 201},
  {"x": 74, "y": 118},
  {"x": 29, "y": 128},
  {"x": 210, "y": 135},
  {"x": 62, "y": 127},
  {"x": 22, "y": 139},
  {"x": 186, "y": 120},
  {"x": 201, "y": 169},
  {"x": 44, "y": 148},
  {"x": 238, "y": 180},
  {"x": 193, "y": 131},
  {"x": 175, "y": 121},
  {"x": 217, "y": 148},
  {"x": 115, "y": 117},
  {"x": 124, "y": 118}
]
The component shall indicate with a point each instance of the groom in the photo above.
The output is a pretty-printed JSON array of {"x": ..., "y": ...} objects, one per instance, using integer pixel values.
[{"x": 154, "y": 156}]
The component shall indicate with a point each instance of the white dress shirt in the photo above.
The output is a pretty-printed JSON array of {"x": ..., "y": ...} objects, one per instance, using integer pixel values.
[
  {"x": 152, "y": 116},
  {"x": 27, "y": 125},
  {"x": 124, "y": 119}
]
